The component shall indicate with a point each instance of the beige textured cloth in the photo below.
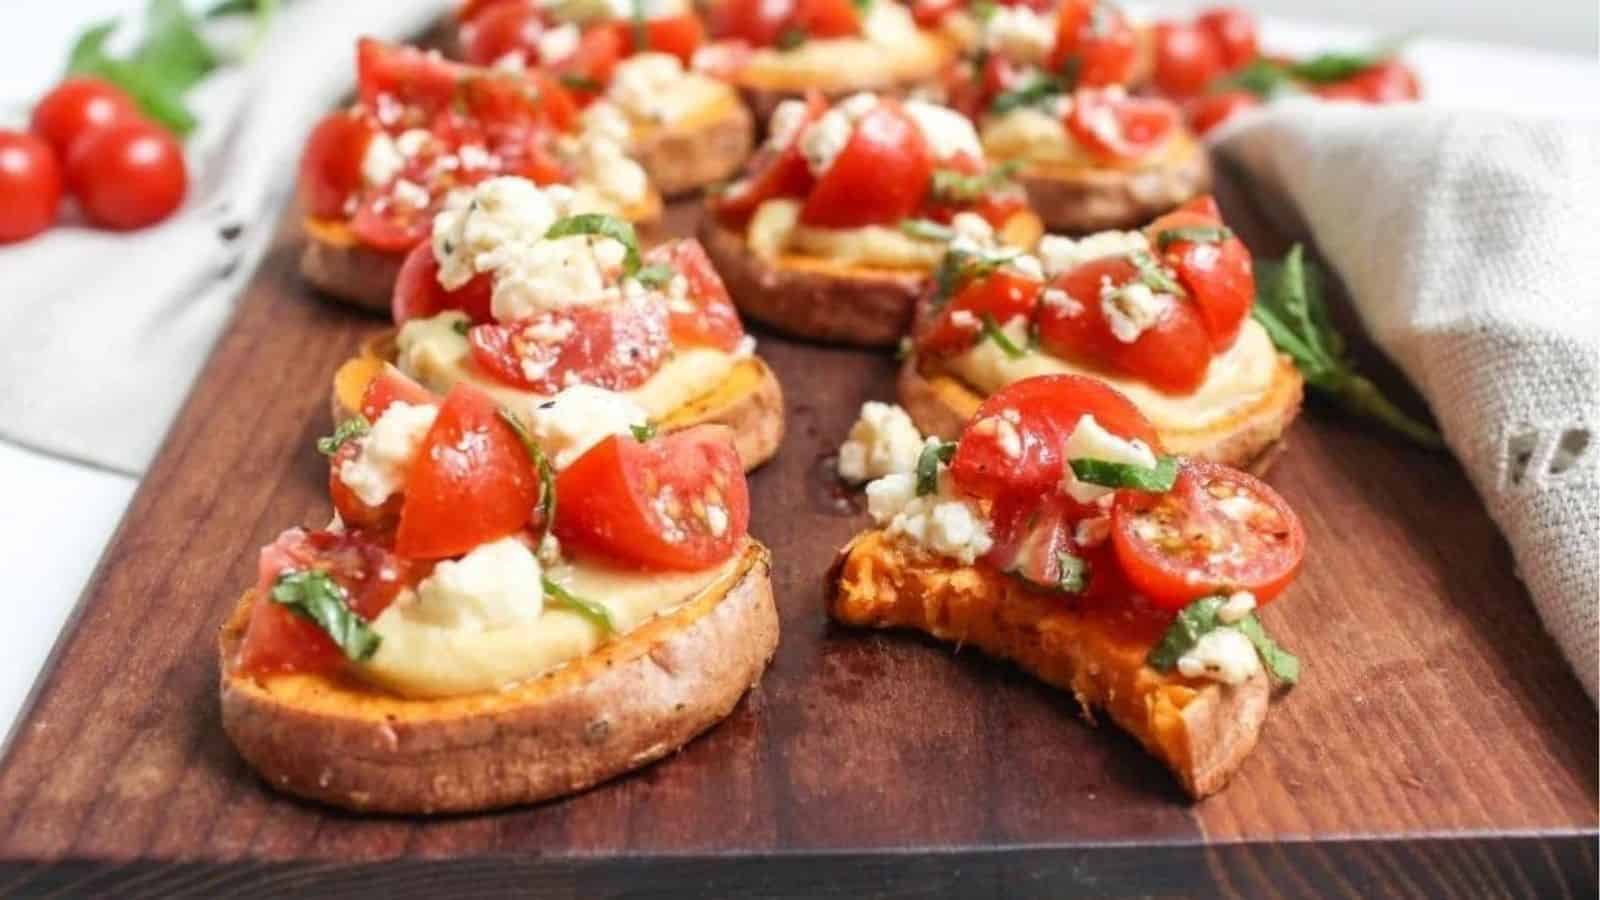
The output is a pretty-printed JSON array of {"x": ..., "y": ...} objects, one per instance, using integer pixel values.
[{"x": 1468, "y": 242}]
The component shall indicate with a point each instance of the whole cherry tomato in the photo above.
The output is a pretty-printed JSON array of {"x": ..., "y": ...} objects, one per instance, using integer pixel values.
[
  {"x": 128, "y": 175},
  {"x": 30, "y": 186},
  {"x": 1187, "y": 59},
  {"x": 1234, "y": 32},
  {"x": 76, "y": 107}
]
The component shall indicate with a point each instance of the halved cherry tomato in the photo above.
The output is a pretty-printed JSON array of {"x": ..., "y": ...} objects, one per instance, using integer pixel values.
[
  {"x": 353, "y": 511},
  {"x": 419, "y": 295},
  {"x": 472, "y": 481},
  {"x": 384, "y": 222},
  {"x": 1001, "y": 296},
  {"x": 773, "y": 172},
  {"x": 758, "y": 22},
  {"x": 1188, "y": 59},
  {"x": 1390, "y": 81},
  {"x": 330, "y": 166},
  {"x": 678, "y": 501},
  {"x": 1218, "y": 529},
  {"x": 406, "y": 74},
  {"x": 280, "y": 640},
  {"x": 1044, "y": 410},
  {"x": 1117, "y": 127},
  {"x": 1094, "y": 43},
  {"x": 706, "y": 317},
  {"x": 1234, "y": 32},
  {"x": 1173, "y": 354},
  {"x": 471, "y": 8},
  {"x": 390, "y": 386},
  {"x": 677, "y": 35},
  {"x": 1032, "y": 532},
  {"x": 929, "y": 13},
  {"x": 1208, "y": 111},
  {"x": 826, "y": 18},
  {"x": 599, "y": 51},
  {"x": 1218, "y": 276},
  {"x": 881, "y": 175},
  {"x": 617, "y": 347},
  {"x": 502, "y": 29}
]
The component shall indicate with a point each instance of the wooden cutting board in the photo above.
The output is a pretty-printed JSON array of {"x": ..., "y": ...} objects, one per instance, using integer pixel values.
[{"x": 1438, "y": 745}]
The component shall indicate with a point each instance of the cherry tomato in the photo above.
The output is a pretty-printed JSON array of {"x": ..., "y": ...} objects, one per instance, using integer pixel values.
[
  {"x": 772, "y": 172},
  {"x": 330, "y": 166},
  {"x": 279, "y": 640},
  {"x": 1116, "y": 127},
  {"x": 502, "y": 29},
  {"x": 1043, "y": 410},
  {"x": 1187, "y": 59},
  {"x": 706, "y": 316},
  {"x": 616, "y": 348},
  {"x": 471, "y": 8},
  {"x": 419, "y": 295},
  {"x": 826, "y": 18},
  {"x": 1218, "y": 529},
  {"x": 1208, "y": 111},
  {"x": 30, "y": 186},
  {"x": 680, "y": 36},
  {"x": 1032, "y": 532},
  {"x": 879, "y": 177},
  {"x": 929, "y": 13},
  {"x": 677, "y": 501},
  {"x": 77, "y": 106},
  {"x": 1094, "y": 43},
  {"x": 1234, "y": 32},
  {"x": 599, "y": 51},
  {"x": 128, "y": 175},
  {"x": 1217, "y": 275},
  {"x": 405, "y": 74},
  {"x": 758, "y": 22},
  {"x": 353, "y": 511},
  {"x": 385, "y": 222},
  {"x": 472, "y": 481},
  {"x": 392, "y": 386},
  {"x": 1173, "y": 354},
  {"x": 1390, "y": 81},
  {"x": 1001, "y": 297}
]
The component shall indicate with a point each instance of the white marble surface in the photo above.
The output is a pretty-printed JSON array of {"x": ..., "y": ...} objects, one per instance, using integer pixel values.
[{"x": 60, "y": 514}]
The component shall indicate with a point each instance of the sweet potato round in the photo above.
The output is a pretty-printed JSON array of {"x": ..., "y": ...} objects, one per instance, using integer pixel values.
[{"x": 1077, "y": 200}]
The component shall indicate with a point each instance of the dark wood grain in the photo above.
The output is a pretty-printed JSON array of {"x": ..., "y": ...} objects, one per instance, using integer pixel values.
[{"x": 1438, "y": 745}]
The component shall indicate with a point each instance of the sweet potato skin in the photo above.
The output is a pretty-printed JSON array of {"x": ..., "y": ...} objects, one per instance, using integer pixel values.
[{"x": 681, "y": 160}]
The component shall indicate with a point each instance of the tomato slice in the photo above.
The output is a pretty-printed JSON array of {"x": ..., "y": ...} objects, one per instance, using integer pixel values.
[
  {"x": 330, "y": 165},
  {"x": 599, "y": 51},
  {"x": 406, "y": 74},
  {"x": 1207, "y": 112},
  {"x": 1044, "y": 411},
  {"x": 680, "y": 36},
  {"x": 277, "y": 640},
  {"x": 758, "y": 22},
  {"x": 1172, "y": 354},
  {"x": 1188, "y": 59},
  {"x": 880, "y": 177},
  {"x": 1218, "y": 529},
  {"x": 384, "y": 222},
  {"x": 616, "y": 348},
  {"x": 1001, "y": 296},
  {"x": 1218, "y": 276},
  {"x": 390, "y": 386},
  {"x": 1094, "y": 42},
  {"x": 826, "y": 18},
  {"x": 471, "y": 482},
  {"x": 501, "y": 29},
  {"x": 1234, "y": 32},
  {"x": 678, "y": 501},
  {"x": 772, "y": 172},
  {"x": 706, "y": 317},
  {"x": 419, "y": 295},
  {"x": 1120, "y": 128}
]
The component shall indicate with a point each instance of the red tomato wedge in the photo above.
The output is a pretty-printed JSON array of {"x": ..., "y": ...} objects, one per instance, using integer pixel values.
[
  {"x": 1031, "y": 533},
  {"x": 502, "y": 29},
  {"x": 616, "y": 348},
  {"x": 678, "y": 501},
  {"x": 880, "y": 177},
  {"x": 706, "y": 317},
  {"x": 384, "y": 223},
  {"x": 1218, "y": 529},
  {"x": 1094, "y": 42},
  {"x": 1001, "y": 296},
  {"x": 471, "y": 482},
  {"x": 1207, "y": 112},
  {"x": 677, "y": 35},
  {"x": 1233, "y": 30},
  {"x": 826, "y": 18},
  {"x": 391, "y": 386},
  {"x": 406, "y": 74},
  {"x": 353, "y": 511},
  {"x": 1188, "y": 59},
  {"x": 1218, "y": 275},
  {"x": 1044, "y": 411},
  {"x": 280, "y": 640},
  {"x": 755, "y": 21},
  {"x": 419, "y": 295},
  {"x": 587, "y": 70},
  {"x": 1120, "y": 128},
  {"x": 330, "y": 165},
  {"x": 773, "y": 172}
]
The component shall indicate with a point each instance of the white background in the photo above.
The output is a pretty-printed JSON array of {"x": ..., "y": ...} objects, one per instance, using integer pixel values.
[{"x": 59, "y": 516}]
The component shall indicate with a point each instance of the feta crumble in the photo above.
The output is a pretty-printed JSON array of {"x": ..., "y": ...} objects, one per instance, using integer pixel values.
[
  {"x": 1091, "y": 441},
  {"x": 379, "y": 467},
  {"x": 1132, "y": 309},
  {"x": 498, "y": 584},
  {"x": 943, "y": 523},
  {"x": 1062, "y": 254},
  {"x": 567, "y": 425},
  {"x": 881, "y": 442},
  {"x": 947, "y": 132},
  {"x": 1223, "y": 655}
]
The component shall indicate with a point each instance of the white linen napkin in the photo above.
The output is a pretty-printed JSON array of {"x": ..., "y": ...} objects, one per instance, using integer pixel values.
[
  {"x": 1467, "y": 242},
  {"x": 101, "y": 333}
]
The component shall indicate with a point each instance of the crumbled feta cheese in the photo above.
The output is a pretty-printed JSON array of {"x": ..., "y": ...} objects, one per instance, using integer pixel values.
[
  {"x": 382, "y": 161},
  {"x": 1092, "y": 532},
  {"x": 824, "y": 139},
  {"x": 948, "y": 133},
  {"x": 1131, "y": 309},
  {"x": 570, "y": 423},
  {"x": 785, "y": 124},
  {"x": 603, "y": 119},
  {"x": 411, "y": 194},
  {"x": 973, "y": 227},
  {"x": 413, "y": 141},
  {"x": 379, "y": 468},
  {"x": 882, "y": 441},
  {"x": 1238, "y": 605},
  {"x": 513, "y": 61},
  {"x": 745, "y": 348},
  {"x": 478, "y": 229},
  {"x": 1021, "y": 35},
  {"x": 717, "y": 520},
  {"x": 1222, "y": 654},
  {"x": 717, "y": 58},
  {"x": 1061, "y": 300},
  {"x": 1239, "y": 507},
  {"x": 577, "y": 270},
  {"x": 668, "y": 508},
  {"x": 1060, "y": 254},
  {"x": 558, "y": 43},
  {"x": 888, "y": 24},
  {"x": 1026, "y": 265},
  {"x": 615, "y": 175},
  {"x": 943, "y": 523},
  {"x": 472, "y": 156},
  {"x": 1091, "y": 441},
  {"x": 964, "y": 318},
  {"x": 496, "y": 585},
  {"x": 640, "y": 82},
  {"x": 1003, "y": 429}
]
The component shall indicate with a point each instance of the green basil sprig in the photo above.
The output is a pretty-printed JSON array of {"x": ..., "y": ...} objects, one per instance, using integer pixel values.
[
  {"x": 1153, "y": 275},
  {"x": 952, "y": 186},
  {"x": 1157, "y": 479},
  {"x": 1074, "y": 573},
  {"x": 348, "y": 430},
  {"x": 1195, "y": 234},
  {"x": 1041, "y": 88},
  {"x": 933, "y": 453},
  {"x": 313, "y": 594},
  {"x": 957, "y": 267},
  {"x": 993, "y": 331},
  {"x": 1199, "y": 618},
  {"x": 605, "y": 226},
  {"x": 1290, "y": 306},
  {"x": 926, "y": 230},
  {"x": 642, "y": 433},
  {"x": 572, "y": 81},
  {"x": 541, "y": 464},
  {"x": 655, "y": 276},
  {"x": 589, "y": 609}
]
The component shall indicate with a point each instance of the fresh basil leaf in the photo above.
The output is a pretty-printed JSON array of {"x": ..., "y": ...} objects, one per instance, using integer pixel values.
[
  {"x": 957, "y": 267},
  {"x": 1329, "y": 68},
  {"x": 1074, "y": 573},
  {"x": 955, "y": 187},
  {"x": 314, "y": 595},
  {"x": 1041, "y": 88},
  {"x": 1193, "y": 622},
  {"x": 605, "y": 226},
  {"x": 574, "y": 81},
  {"x": 1283, "y": 666},
  {"x": 89, "y": 49},
  {"x": 1153, "y": 275},
  {"x": 1156, "y": 480},
  {"x": 933, "y": 453},
  {"x": 862, "y": 6},
  {"x": 926, "y": 230},
  {"x": 541, "y": 464},
  {"x": 461, "y": 327},
  {"x": 655, "y": 276},
  {"x": 347, "y": 430},
  {"x": 173, "y": 50},
  {"x": 791, "y": 37},
  {"x": 589, "y": 609},
  {"x": 641, "y": 28},
  {"x": 1195, "y": 234},
  {"x": 983, "y": 10},
  {"x": 1264, "y": 78},
  {"x": 993, "y": 331},
  {"x": 642, "y": 433},
  {"x": 169, "y": 61}
]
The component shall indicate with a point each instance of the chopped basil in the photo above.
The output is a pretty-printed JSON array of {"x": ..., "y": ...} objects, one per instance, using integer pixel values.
[
  {"x": 1151, "y": 273},
  {"x": 605, "y": 226},
  {"x": 1199, "y": 618},
  {"x": 957, "y": 267},
  {"x": 1074, "y": 573},
  {"x": 791, "y": 37},
  {"x": 655, "y": 276},
  {"x": 641, "y": 29},
  {"x": 314, "y": 595},
  {"x": 642, "y": 433},
  {"x": 1156, "y": 480},
  {"x": 952, "y": 186},
  {"x": 575, "y": 82},
  {"x": 934, "y": 452},
  {"x": 541, "y": 464},
  {"x": 1330, "y": 68},
  {"x": 862, "y": 6},
  {"x": 993, "y": 331},
  {"x": 461, "y": 327},
  {"x": 349, "y": 429},
  {"x": 1283, "y": 666},
  {"x": 983, "y": 10},
  {"x": 926, "y": 230},
  {"x": 1042, "y": 87},
  {"x": 1291, "y": 308},
  {"x": 1196, "y": 234},
  {"x": 1263, "y": 78},
  {"x": 589, "y": 609}
]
